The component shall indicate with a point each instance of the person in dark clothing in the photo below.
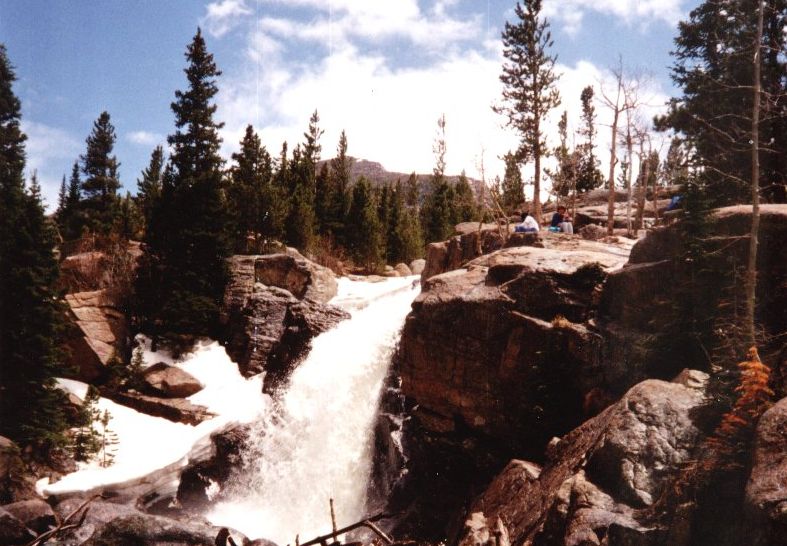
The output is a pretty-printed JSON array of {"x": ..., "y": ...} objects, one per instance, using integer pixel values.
[{"x": 562, "y": 221}]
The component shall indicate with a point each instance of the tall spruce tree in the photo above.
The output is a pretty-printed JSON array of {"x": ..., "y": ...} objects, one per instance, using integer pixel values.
[
  {"x": 30, "y": 411},
  {"x": 589, "y": 176},
  {"x": 364, "y": 229},
  {"x": 512, "y": 188},
  {"x": 149, "y": 185},
  {"x": 465, "y": 206},
  {"x": 249, "y": 193},
  {"x": 184, "y": 268},
  {"x": 101, "y": 183},
  {"x": 529, "y": 90},
  {"x": 713, "y": 69}
]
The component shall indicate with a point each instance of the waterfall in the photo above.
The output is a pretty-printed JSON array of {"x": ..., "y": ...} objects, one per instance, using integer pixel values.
[{"x": 315, "y": 441}]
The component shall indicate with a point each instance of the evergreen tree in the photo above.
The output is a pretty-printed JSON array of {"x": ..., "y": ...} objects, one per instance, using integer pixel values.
[
  {"x": 512, "y": 188},
  {"x": 412, "y": 196},
  {"x": 589, "y": 176},
  {"x": 465, "y": 206},
  {"x": 30, "y": 318},
  {"x": 564, "y": 179},
  {"x": 529, "y": 85},
  {"x": 149, "y": 185},
  {"x": 101, "y": 183},
  {"x": 184, "y": 271},
  {"x": 365, "y": 232},
  {"x": 713, "y": 68},
  {"x": 301, "y": 219},
  {"x": 70, "y": 218},
  {"x": 62, "y": 196},
  {"x": 340, "y": 195},
  {"x": 438, "y": 214},
  {"x": 279, "y": 203},
  {"x": 249, "y": 191}
]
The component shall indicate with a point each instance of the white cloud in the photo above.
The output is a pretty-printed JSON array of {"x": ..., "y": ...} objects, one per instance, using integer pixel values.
[
  {"x": 223, "y": 16},
  {"x": 48, "y": 149},
  {"x": 569, "y": 13},
  {"x": 145, "y": 138},
  {"x": 388, "y": 112}
]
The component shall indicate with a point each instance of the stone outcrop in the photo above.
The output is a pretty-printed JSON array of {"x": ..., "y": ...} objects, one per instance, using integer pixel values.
[
  {"x": 267, "y": 327},
  {"x": 150, "y": 530},
  {"x": 13, "y": 531},
  {"x": 178, "y": 410},
  {"x": 170, "y": 381},
  {"x": 639, "y": 299},
  {"x": 100, "y": 333},
  {"x": 15, "y": 482},
  {"x": 766, "y": 491},
  {"x": 213, "y": 468},
  {"x": 497, "y": 358},
  {"x": 599, "y": 475},
  {"x": 35, "y": 514}
]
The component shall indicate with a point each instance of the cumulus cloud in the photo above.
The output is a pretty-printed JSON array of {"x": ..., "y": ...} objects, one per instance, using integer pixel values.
[
  {"x": 47, "y": 147},
  {"x": 222, "y": 17},
  {"x": 569, "y": 14},
  {"x": 389, "y": 111},
  {"x": 145, "y": 138}
]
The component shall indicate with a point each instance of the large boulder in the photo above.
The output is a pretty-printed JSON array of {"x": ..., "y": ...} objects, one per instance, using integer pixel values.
[
  {"x": 178, "y": 410},
  {"x": 34, "y": 513},
  {"x": 15, "y": 482},
  {"x": 268, "y": 328},
  {"x": 300, "y": 277},
  {"x": 100, "y": 333},
  {"x": 147, "y": 530},
  {"x": 99, "y": 513},
  {"x": 170, "y": 381},
  {"x": 766, "y": 491},
  {"x": 494, "y": 360},
  {"x": 13, "y": 531},
  {"x": 598, "y": 476}
]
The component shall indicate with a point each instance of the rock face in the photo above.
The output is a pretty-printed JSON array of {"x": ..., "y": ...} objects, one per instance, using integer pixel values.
[
  {"x": 178, "y": 410},
  {"x": 495, "y": 359},
  {"x": 598, "y": 475},
  {"x": 766, "y": 492},
  {"x": 15, "y": 483},
  {"x": 35, "y": 514},
  {"x": 101, "y": 332},
  {"x": 638, "y": 300},
  {"x": 13, "y": 531},
  {"x": 267, "y": 327},
  {"x": 143, "y": 529},
  {"x": 170, "y": 381}
]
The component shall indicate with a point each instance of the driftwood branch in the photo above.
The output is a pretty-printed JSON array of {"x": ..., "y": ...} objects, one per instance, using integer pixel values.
[
  {"x": 65, "y": 524},
  {"x": 368, "y": 523}
]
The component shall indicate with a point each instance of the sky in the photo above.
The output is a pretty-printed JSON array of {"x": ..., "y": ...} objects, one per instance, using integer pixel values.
[{"x": 382, "y": 70}]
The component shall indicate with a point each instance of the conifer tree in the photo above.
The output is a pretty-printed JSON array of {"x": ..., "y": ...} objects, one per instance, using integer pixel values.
[
  {"x": 512, "y": 188},
  {"x": 366, "y": 239},
  {"x": 437, "y": 214},
  {"x": 301, "y": 219},
  {"x": 101, "y": 183},
  {"x": 465, "y": 206},
  {"x": 30, "y": 411},
  {"x": 149, "y": 185},
  {"x": 404, "y": 241},
  {"x": 529, "y": 80},
  {"x": 340, "y": 179},
  {"x": 185, "y": 270},
  {"x": 249, "y": 191},
  {"x": 70, "y": 219},
  {"x": 62, "y": 196},
  {"x": 589, "y": 176}
]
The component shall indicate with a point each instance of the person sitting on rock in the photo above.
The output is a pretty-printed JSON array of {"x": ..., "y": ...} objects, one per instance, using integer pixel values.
[
  {"x": 561, "y": 221},
  {"x": 528, "y": 225}
]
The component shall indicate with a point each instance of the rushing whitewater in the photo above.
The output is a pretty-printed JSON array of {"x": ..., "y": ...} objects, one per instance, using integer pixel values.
[{"x": 315, "y": 442}]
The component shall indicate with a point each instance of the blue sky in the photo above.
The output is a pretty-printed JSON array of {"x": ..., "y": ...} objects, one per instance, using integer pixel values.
[{"x": 383, "y": 70}]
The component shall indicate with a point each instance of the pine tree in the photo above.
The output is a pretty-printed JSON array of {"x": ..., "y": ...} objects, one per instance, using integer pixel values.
[
  {"x": 366, "y": 237},
  {"x": 30, "y": 317},
  {"x": 184, "y": 271},
  {"x": 62, "y": 196},
  {"x": 713, "y": 68},
  {"x": 512, "y": 188},
  {"x": 465, "y": 206},
  {"x": 404, "y": 242},
  {"x": 149, "y": 185},
  {"x": 589, "y": 176},
  {"x": 101, "y": 183},
  {"x": 529, "y": 85},
  {"x": 249, "y": 191},
  {"x": 301, "y": 219}
]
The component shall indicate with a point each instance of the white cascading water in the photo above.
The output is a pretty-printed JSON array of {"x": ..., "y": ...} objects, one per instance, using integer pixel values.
[{"x": 315, "y": 443}]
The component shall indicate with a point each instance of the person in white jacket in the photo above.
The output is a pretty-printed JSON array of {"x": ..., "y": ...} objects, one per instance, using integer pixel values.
[{"x": 528, "y": 225}]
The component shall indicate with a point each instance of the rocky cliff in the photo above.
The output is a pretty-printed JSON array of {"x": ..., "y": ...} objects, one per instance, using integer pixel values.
[{"x": 523, "y": 344}]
